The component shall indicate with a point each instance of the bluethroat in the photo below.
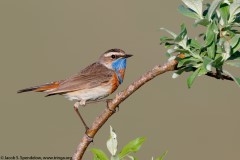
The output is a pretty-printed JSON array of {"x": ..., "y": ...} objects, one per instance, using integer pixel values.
[{"x": 93, "y": 83}]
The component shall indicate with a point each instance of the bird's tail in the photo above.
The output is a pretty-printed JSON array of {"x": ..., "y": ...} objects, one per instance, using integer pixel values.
[{"x": 41, "y": 88}]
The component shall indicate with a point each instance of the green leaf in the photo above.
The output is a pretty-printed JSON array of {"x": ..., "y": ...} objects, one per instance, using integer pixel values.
[
  {"x": 95, "y": 157},
  {"x": 188, "y": 12},
  {"x": 234, "y": 7},
  {"x": 182, "y": 34},
  {"x": 224, "y": 12},
  {"x": 211, "y": 50},
  {"x": 213, "y": 7},
  {"x": 227, "y": 49},
  {"x": 195, "y": 5},
  {"x": 168, "y": 45},
  {"x": 132, "y": 146},
  {"x": 164, "y": 39},
  {"x": 170, "y": 51},
  {"x": 237, "y": 46},
  {"x": 162, "y": 156},
  {"x": 202, "y": 70},
  {"x": 234, "y": 10},
  {"x": 207, "y": 63},
  {"x": 236, "y": 79},
  {"x": 235, "y": 40},
  {"x": 170, "y": 32},
  {"x": 219, "y": 49},
  {"x": 178, "y": 73},
  {"x": 218, "y": 62},
  {"x": 195, "y": 44},
  {"x": 187, "y": 60},
  {"x": 235, "y": 56},
  {"x": 192, "y": 77},
  {"x": 203, "y": 22},
  {"x": 112, "y": 142},
  {"x": 210, "y": 35},
  {"x": 234, "y": 64},
  {"x": 183, "y": 43},
  {"x": 99, "y": 154}
]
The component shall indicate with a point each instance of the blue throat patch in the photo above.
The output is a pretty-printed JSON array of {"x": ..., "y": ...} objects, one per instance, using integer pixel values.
[{"x": 118, "y": 65}]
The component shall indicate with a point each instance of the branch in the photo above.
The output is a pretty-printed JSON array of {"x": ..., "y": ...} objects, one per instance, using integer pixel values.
[
  {"x": 120, "y": 97},
  {"x": 221, "y": 76}
]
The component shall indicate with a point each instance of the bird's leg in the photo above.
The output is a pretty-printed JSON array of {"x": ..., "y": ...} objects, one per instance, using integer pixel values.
[{"x": 76, "y": 105}]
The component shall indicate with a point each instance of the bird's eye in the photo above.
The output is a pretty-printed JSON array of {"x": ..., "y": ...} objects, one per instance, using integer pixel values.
[{"x": 113, "y": 56}]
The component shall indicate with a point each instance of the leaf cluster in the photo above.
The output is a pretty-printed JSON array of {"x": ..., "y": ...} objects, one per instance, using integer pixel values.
[
  {"x": 112, "y": 145},
  {"x": 217, "y": 46}
]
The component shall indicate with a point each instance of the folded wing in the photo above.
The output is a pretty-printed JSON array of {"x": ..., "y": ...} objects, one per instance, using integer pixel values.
[{"x": 92, "y": 76}]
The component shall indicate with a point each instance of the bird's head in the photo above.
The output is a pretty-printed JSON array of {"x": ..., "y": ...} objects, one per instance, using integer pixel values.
[{"x": 115, "y": 59}]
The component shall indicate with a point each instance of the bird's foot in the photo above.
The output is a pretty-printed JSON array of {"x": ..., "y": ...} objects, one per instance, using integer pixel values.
[
  {"x": 109, "y": 100},
  {"x": 112, "y": 110}
]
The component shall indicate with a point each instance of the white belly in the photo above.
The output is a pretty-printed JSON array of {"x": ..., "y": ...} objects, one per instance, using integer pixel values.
[{"x": 89, "y": 94}]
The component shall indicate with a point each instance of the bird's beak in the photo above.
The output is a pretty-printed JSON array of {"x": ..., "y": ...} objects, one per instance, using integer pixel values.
[{"x": 128, "y": 55}]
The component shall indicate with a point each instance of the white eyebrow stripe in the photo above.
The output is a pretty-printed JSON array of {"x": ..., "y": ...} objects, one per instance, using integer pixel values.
[{"x": 115, "y": 53}]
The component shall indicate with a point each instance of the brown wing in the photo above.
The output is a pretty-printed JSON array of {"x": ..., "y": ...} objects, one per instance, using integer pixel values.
[{"x": 90, "y": 77}]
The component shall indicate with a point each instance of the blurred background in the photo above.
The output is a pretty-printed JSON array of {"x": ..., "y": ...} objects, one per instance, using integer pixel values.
[{"x": 43, "y": 41}]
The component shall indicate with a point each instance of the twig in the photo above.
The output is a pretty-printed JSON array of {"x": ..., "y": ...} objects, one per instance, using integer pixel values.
[
  {"x": 223, "y": 77},
  {"x": 120, "y": 97}
]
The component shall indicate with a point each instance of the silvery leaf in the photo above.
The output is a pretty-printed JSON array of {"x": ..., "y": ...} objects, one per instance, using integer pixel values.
[
  {"x": 195, "y": 5},
  {"x": 112, "y": 142}
]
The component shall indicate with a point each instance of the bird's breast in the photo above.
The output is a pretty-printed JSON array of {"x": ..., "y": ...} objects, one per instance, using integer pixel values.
[
  {"x": 114, "y": 82},
  {"x": 121, "y": 73}
]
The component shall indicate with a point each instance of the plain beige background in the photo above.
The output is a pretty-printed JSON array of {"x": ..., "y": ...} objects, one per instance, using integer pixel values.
[{"x": 47, "y": 40}]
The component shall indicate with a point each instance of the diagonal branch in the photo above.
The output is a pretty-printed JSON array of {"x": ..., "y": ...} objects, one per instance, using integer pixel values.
[{"x": 120, "y": 97}]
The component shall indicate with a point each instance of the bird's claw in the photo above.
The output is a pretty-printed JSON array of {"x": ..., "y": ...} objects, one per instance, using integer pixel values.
[{"x": 112, "y": 110}]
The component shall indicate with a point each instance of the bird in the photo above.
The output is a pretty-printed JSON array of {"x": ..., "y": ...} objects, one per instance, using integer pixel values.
[{"x": 91, "y": 84}]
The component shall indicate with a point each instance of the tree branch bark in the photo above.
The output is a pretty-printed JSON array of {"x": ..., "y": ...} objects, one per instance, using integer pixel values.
[{"x": 120, "y": 97}]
